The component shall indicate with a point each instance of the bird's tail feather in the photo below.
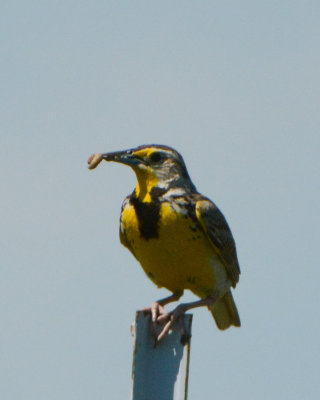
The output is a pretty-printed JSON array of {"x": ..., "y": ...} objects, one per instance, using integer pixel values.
[{"x": 224, "y": 312}]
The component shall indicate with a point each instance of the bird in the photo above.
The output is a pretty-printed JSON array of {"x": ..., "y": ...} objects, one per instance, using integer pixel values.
[{"x": 180, "y": 237}]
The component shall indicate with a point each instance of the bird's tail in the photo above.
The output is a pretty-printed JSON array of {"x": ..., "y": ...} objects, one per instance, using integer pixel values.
[{"x": 224, "y": 312}]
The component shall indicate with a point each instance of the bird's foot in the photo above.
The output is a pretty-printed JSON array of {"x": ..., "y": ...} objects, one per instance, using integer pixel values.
[
  {"x": 162, "y": 320},
  {"x": 156, "y": 310},
  {"x": 168, "y": 320}
]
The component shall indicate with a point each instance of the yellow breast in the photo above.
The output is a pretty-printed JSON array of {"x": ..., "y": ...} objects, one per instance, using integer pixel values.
[{"x": 180, "y": 257}]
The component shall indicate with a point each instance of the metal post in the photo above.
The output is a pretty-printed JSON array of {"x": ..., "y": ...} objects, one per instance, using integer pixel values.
[{"x": 161, "y": 372}]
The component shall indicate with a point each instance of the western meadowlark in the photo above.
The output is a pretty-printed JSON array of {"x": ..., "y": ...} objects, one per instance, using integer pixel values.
[{"x": 180, "y": 237}]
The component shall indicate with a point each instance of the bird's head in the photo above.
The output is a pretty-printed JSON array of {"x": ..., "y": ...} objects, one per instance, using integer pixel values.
[{"x": 156, "y": 166}]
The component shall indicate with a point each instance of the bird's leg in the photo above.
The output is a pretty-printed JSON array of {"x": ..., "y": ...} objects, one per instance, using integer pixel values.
[
  {"x": 157, "y": 308},
  {"x": 179, "y": 311}
]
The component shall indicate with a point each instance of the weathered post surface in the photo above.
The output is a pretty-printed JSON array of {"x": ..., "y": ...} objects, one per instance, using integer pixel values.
[{"x": 160, "y": 372}]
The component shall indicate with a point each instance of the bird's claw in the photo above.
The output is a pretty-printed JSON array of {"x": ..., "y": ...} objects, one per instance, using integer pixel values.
[
  {"x": 156, "y": 310},
  {"x": 170, "y": 319},
  {"x": 162, "y": 320},
  {"x": 165, "y": 330}
]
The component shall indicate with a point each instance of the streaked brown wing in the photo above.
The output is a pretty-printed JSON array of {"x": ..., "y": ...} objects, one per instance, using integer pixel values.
[{"x": 216, "y": 227}]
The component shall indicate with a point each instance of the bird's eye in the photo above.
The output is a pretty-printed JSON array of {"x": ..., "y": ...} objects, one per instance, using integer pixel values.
[{"x": 156, "y": 157}]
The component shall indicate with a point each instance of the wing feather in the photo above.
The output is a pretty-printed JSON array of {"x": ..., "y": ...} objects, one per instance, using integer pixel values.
[{"x": 216, "y": 227}]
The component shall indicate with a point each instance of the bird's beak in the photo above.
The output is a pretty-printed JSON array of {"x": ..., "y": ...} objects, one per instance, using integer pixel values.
[{"x": 124, "y": 157}]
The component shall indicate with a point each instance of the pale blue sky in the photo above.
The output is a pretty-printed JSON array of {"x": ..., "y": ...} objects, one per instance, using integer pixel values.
[{"x": 234, "y": 86}]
